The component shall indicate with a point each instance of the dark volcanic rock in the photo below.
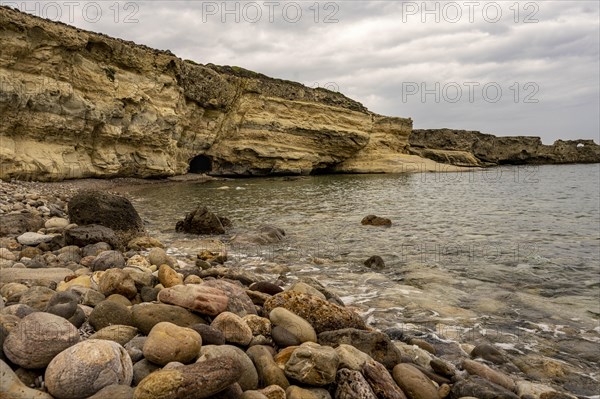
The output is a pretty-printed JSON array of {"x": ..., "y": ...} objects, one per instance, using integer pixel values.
[
  {"x": 200, "y": 221},
  {"x": 112, "y": 211},
  {"x": 375, "y": 262},
  {"x": 372, "y": 220}
]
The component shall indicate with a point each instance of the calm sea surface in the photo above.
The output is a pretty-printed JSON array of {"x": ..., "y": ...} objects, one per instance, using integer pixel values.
[{"x": 512, "y": 253}]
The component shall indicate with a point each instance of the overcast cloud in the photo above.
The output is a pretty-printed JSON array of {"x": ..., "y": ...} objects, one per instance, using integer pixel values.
[{"x": 543, "y": 57}]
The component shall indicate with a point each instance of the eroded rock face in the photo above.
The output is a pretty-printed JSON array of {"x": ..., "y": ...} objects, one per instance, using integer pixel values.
[{"x": 78, "y": 104}]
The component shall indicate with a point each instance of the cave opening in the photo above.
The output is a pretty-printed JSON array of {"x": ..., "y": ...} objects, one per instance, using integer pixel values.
[{"x": 200, "y": 164}]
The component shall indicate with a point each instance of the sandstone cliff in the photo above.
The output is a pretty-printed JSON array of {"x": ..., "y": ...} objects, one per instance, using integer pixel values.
[
  {"x": 79, "y": 104},
  {"x": 472, "y": 148}
]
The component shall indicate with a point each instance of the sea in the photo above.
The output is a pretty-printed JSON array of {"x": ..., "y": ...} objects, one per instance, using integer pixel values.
[{"x": 509, "y": 255}]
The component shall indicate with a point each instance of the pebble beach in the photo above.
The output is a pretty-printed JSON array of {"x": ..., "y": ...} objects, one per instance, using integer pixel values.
[{"x": 94, "y": 307}]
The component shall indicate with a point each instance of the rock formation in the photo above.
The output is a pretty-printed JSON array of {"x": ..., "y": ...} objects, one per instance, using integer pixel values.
[
  {"x": 471, "y": 148},
  {"x": 79, "y": 104}
]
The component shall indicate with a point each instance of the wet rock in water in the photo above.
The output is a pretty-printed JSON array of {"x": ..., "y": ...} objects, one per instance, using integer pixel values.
[
  {"x": 351, "y": 357},
  {"x": 475, "y": 386},
  {"x": 351, "y": 384},
  {"x": 38, "y": 338},
  {"x": 118, "y": 333},
  {"x": 293, "y": 324},
  {"x": 198, "y": 380},
  {"x": 374, "y": 343},
  {"x": 85, "y": 368},
  {"x": 306, "y": 289},
  {"x": 249, "y": 377},
  {"x": 239, "y": 302},
  {"x": 11, "y": 386},
  {"x": 108, "y": 313},
  {"x": 168, "y": 277},
  {"x": 372, "y": 220},
  {"x": 114, "y": 392},
  {"x": 375, "y": 262},
  {"x": 233, "y": 328},
  {"x": 200, "y": 298},
  {"x": 168, "y": 342},
  {"x": 33, "y": 239},
  {"x": 381, "y": 382},
  {"x": 108, "y": 260},
  {"x": 117, "y": 281},
  {"x": 200, "y": 221},
  {"x": 91, "y": 234},
  {"x": 312, "y": 364},
  {"x": 413, "y": 382},
  {"x": 147, "y": 315},
  {"x": 266, "y": 287},
  {"x": 264, "y": 235},
  {"x": 101, "y": 208},
  {"x": 37, "y": 297},
  {"x": 268, "y": 371},
  {"x": 488, "y": 352},
  {"x": 526, "y": 389},
  {"x": 423, "y": 345},
  {"x": 443, "y": 368},
  {"x": 63, "y": 304},
  {"x": 322, "y": 315},
  {"x": 210, "y": 335},
  {"x": 498, "y": 378},
  {"x": 18, "y": 223},
  {"x": 295, "y": 392}
]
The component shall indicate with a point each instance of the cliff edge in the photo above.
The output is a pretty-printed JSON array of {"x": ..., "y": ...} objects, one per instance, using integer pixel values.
[{"x": 79, "y": 104}]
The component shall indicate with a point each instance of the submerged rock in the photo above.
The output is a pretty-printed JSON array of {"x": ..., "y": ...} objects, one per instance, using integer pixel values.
[
  {"x": 322, "y": 315},
  {"x": 372, "y": 220},
  {"x": 200, "y": 221}
]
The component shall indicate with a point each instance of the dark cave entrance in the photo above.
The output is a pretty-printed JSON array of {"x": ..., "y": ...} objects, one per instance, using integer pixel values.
[{"x": 200, "y": 164}]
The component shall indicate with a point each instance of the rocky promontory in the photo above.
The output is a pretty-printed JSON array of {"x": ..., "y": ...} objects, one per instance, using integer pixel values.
[{"x": 472, "y": 148}]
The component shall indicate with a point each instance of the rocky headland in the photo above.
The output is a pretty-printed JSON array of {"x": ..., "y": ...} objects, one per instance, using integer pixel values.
[
  {"x": 472, "y": 148},
  {"x": 77, "y": 104},
  {"x": 93, "y": 307}
]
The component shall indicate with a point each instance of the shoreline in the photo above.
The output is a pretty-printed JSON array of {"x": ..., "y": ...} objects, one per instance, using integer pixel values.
[{"x": 425, "y": 355}]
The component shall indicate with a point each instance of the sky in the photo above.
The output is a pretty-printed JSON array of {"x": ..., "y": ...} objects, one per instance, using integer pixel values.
[{"x": 501, "y": 67}]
